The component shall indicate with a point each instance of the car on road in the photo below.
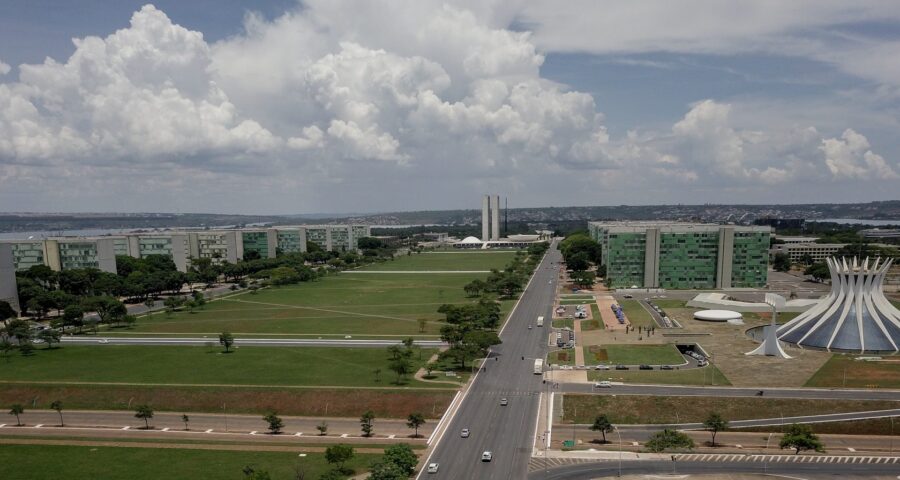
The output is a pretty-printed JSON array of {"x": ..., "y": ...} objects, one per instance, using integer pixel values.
[
  {"x": 603, "y": 384},
  {"x": 103, "y": 340},
  {"x": 666, "y": 367},
  {"x": 628, "y": 296},
  {"x": 621, "y": 367},
  {"x": 464, "y": 433},
  {"x": 646, "y": 367},
  {"x": 487, "y": 456},
  {"x": 529, "y": 326},
  {"x": 433, "y": 467},
  {"x": 601, "y": 367},
  {"x": 504, "y": 402}
]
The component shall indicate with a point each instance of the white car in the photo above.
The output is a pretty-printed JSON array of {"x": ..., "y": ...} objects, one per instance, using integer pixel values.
[
  {"x": 603, "y": 384},
  {"x": 433, "y": 467},
  {"x": 602, "y": 367},
  {"x": 103, "y": 340},
  {"x": 487, "y": 456},
  {"x": 464, "y": 433}
]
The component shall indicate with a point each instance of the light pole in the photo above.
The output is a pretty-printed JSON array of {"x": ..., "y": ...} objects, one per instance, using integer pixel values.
[{"x": 620, "y": 449}]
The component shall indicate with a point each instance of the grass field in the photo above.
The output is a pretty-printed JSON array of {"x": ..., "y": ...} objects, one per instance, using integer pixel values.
[
  {"x": 694, "y": 376},
  {"x": 564, "y": 323},
  {"x": 312, "y": 402},
  {"x": 345, "y": 304},
  {"x": 38, "y": 462},
  {"x": 456, "y": 260},
  {"x": 596, "y": 323},
  {"x": 845, "y": 371},
  {"x": 635, "y": 355},
  {"x": 562, "y": 357},
  {"x": 637, "y": 315},
  {"x": 665, "y": 303},
  {"x": 271, "y": 366},
  {"x": 642, "y": 409}
]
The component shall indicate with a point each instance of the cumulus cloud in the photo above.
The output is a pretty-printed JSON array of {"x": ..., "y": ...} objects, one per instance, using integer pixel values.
[
  {"x": 4, "y": 68},
  {"x": 403, "y": 94}
]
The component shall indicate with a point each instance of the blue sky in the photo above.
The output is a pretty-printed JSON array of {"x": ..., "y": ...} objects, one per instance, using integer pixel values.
[{"x": 401, "y": 104}]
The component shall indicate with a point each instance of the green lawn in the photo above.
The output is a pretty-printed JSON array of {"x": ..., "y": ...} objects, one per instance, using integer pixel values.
[
  {"x": 50, "y": 462},
  {"x": 665, "y": 303},
  {"x": 845, "y": 371},
  {"x": 594, "y": 324},
  {"x": 561, "y": 357},
  {"x": 564, "y": 323},
  {"x": 636, "y": 313},
  {"x": 208, "y": 365},
  {"x": 694, "y": 376},
  {"x": 345, "y": 304},
  {"x": 457, "y": 260},
  {"x": 636, "y": 355},
  {"x": 645, "y": 409}
]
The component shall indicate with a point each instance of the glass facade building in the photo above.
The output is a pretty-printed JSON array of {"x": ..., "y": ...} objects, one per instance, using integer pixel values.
[{"x": 682, "y": 255}]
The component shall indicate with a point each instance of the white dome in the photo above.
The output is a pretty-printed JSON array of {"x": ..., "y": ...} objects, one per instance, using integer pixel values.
[
  {"x": 470, "y": 240},
  {"x": 717, "y": 315}
]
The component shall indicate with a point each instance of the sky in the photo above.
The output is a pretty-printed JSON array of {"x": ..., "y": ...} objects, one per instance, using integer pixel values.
[{"x": 331, "y": 106}]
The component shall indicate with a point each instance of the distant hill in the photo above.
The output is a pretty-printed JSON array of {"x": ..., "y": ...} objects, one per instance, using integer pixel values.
[{"x": 741, "y": 214}]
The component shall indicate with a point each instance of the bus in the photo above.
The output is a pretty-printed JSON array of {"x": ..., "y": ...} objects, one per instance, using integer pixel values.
[
  {"x": 539, "y": 366},
  {"x": 540, "y": 321}
]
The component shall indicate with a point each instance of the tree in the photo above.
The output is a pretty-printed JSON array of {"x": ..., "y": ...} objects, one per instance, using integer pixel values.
[
  {"x": 415, "y": 420},
  {"x": 781, "y": 262},
  {"x": 369, "y": 243},
  {"x": 422, "y": 322},
  {"x": 50, "y": 336},
  {"x": 583, "y": 279},
  {"x": 173, "y": 303},
  {"x": 475, "y": 288},
  {"x": 57, "y": 405},
  {"x": 145, "y": 413},
  {"x": 578, "y": 261},
  {"x": 6, "y": 312},
  {"x": 669, "y": 439},
  {"x": 602, "y": 425},
  {"x": 275, "y": 423},
  {"x": 819, "y": 271},
  {"x": 149, "y": 303},
  {"x": 185, "y": 419},
  {"x": 402, "y": 365},
  {"x": 6, "y": 347},
  {"x": 800, "y": 437},
  {"x": 806, "y": 259},
  {"x": 377, "y": 373},
  {"x": 226, "y": 340},
  {"x": 403, "y": 457},
  {"x": 338, "y": 455},
  {"x": 367, "y": 423},
  {"x": 17, "y": 409},
  {"x": 73, "y": 316},
  {"x": 714, "y": 424},
  {"x": 322, "y": 428},
  {"x": 199, "y": 299},
  {"x": 383, "y": 470},
  {"x": 251, "y": 473}
]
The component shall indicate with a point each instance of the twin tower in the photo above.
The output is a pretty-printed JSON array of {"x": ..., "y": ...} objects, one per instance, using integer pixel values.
[{"x": 490, "y": 215}]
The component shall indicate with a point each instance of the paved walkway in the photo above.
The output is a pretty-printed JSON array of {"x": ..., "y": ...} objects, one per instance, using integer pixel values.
[
  {"x": 604, "y": 303},
  {"x": 579, "y": 351}
]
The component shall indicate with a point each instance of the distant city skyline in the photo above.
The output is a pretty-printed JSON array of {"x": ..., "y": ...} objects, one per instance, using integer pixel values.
[{"x": 290, "y": 107}]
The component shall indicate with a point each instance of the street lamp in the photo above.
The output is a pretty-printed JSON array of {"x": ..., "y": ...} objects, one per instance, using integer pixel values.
[{"x": 620, "y": 449}]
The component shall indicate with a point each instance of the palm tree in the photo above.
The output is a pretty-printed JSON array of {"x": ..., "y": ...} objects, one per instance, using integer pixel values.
[
  {"x": 17, "y": 410},
  {"x": 57, "y": 405}
]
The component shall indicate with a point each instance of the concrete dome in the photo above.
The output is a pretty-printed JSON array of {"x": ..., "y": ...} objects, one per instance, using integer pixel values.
[
  {"x": 717, "y": 315},
  {"x": 470, "y": 240}
]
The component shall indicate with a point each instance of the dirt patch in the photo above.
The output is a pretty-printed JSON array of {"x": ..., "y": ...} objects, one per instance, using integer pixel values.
[
  {"x": 326, "y": 402},
  {"x": 598, "y": 354}
]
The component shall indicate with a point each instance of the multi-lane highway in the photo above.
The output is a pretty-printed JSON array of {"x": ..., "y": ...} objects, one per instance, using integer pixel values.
[
  {"x": 246, "y": 342},
  {"x": 675, "y": 391},
  {"x": 506, "y": 431}
]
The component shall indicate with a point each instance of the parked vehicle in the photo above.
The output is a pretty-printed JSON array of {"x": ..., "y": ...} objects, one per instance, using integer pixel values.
[
  {"x": 646, "y": 367},
  {"x": 603, "y": 384},
  {"x": 666, "y": 367},
  {"x": 621, "y": 367}
]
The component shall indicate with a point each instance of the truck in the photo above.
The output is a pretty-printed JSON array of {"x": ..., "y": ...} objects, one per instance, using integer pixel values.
[
  {"x": 539, "y": 366},
  {"x": 540, "y": 321}
]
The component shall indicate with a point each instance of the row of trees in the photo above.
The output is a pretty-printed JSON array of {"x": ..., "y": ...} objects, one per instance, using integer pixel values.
[
  {"x": 581, "y": 253},
  {"x": 798, "y": 437}
]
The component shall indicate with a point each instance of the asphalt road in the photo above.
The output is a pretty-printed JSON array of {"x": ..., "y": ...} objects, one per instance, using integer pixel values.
[
  {"x": 244, "y": 342},
  {"x": 507, "y": 431},
  {"x": 587, "y": 471},
  {"x": 672, "y": 390}
]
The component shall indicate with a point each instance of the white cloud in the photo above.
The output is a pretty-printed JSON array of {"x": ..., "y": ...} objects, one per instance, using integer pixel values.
[
  {"x": 401, "y": 96},
  {"x": 850, "y": 157},
  {"x": 4, "y": 68}
]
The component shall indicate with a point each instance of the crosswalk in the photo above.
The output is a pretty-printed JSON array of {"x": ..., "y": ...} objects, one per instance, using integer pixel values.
[
  {"x": 725, "y": 457},
  {"x": 537, "y": 464}
]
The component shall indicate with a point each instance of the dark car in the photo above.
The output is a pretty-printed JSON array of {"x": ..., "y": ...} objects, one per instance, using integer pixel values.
[
  {"x": 621, "y": 367},
  {"x": 646, "y": 367},
  {"x": 666, "y": 367}
]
